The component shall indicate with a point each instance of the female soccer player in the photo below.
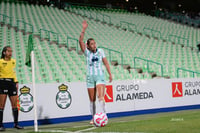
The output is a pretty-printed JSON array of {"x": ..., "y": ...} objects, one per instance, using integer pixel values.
[
  {"x": 8, "y": 85},
  {"x": 95, "y": 74}
]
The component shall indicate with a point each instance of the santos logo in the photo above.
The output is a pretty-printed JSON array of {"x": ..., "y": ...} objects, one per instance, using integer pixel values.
[
  {"x": 108, "y": 94},
  {"x": 177, "y": 90}
]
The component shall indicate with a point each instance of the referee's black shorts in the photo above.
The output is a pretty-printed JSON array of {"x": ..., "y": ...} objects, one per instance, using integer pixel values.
[{"x": 8, "y": 87}]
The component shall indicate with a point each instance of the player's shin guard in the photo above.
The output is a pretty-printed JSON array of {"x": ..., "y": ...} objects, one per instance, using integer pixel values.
[
  {"x": 15, "y": 115},
  {"x": 102, "y": 105},
  {"x": 92, "y": 108},
  {"x": 1, "y": 117}
]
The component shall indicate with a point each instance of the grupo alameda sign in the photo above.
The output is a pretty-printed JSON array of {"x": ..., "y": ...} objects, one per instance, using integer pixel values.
[
  {"x": 187, "y": 88},
  {"x": 132, "y": 91}
]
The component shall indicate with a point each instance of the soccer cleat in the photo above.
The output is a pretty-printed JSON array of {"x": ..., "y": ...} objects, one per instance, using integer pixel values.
[
  {"x": 2, "y": 129},
  {"x": 18, "y": 127},
  {"x": 92, "y": 122}
]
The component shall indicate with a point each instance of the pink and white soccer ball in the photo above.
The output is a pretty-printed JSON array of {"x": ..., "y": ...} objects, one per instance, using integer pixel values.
[{"x": 100, "y": 119}]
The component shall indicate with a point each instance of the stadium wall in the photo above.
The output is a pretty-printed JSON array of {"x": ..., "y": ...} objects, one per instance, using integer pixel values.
[{"x": 69, "y": 102}]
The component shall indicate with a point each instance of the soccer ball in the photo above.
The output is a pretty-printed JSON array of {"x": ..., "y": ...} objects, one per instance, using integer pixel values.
[{"x": 100, "y": 119}]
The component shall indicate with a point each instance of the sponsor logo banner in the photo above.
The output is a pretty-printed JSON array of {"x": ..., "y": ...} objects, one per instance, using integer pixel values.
[
  {"x": 177, "y": 89},
  {"x": 132, "y": 91},
  {"x": 108, "y": 93},
  {"x": 187, "y": 88}
]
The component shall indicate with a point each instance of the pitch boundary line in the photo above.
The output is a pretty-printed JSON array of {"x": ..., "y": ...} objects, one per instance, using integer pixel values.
[
  {"x": 55, "y": 131},
  {"x": 82, "y": 126},
  {"x": 87, "y": 129}
]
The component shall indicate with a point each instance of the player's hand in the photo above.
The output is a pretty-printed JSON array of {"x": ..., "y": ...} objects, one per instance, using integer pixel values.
[
  {"x": 84, "y": 24},
  {"x": 110, "y": 79}
]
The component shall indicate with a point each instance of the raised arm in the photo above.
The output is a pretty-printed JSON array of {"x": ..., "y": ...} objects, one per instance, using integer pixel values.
[
  {"x": 81, "y": 43},
  {"x": 105, "y": 62}
]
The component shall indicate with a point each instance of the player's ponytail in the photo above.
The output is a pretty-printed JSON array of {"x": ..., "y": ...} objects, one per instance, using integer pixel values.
[{"x": 4, "y": 52}]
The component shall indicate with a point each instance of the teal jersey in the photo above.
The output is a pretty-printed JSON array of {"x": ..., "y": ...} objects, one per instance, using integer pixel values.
[{"x": 94, "y": 62}]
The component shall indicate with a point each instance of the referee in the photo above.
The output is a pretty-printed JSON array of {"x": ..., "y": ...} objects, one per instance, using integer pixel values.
[{"x": 8, "y": 85}]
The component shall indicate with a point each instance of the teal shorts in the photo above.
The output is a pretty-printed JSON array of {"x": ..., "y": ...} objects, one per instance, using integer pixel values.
[{"x": 93, "y": 80}]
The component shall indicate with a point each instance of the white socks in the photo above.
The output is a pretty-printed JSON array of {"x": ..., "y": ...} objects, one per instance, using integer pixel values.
[
  {"x": 102, "y": 106},
  {"x": 93, "y": 107}
]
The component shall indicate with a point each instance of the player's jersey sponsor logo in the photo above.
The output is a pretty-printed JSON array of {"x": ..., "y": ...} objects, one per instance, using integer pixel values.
[
  {"x": 63, "y": 97},
  {"x": 95, "y": 59},
  {"x": 108, "y": 93},
  {"x": 177, "y": 90},
  {"x": 25, "y": 100}
]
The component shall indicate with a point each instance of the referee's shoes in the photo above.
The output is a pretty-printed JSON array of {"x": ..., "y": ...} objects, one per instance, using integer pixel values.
[
  {"x": 18, "y": 127},
  {"x": 2, "y": 129}
]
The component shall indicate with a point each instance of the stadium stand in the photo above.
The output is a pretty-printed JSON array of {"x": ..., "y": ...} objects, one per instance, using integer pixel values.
[
  {"x": 178, "y": 17},
  {"x": 144, "y": 22},
  {"x": 153, "y": 46}
]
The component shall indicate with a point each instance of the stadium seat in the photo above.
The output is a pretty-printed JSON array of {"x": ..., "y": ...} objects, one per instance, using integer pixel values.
[{"x": 55, "y": 64}]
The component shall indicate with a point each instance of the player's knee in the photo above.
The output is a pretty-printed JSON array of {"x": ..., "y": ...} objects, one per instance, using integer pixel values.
[
  {"x": 1, "y": 106},
  {"x": 92, "y": 99},
  {"x": 14, "y": 105},
  {"x": 101, "y": 98}
]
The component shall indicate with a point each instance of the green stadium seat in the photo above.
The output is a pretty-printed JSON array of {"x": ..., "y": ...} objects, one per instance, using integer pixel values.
[{"x": 53, "y": 60}]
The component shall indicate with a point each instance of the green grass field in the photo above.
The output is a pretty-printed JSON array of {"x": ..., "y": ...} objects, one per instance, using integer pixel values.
[{"x": 173, "y": 122}]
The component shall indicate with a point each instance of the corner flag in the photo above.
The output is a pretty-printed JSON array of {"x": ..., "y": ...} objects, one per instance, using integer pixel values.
[
  {"x": 29, "y": 50},
  {"x": 30, "y": 62}
]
